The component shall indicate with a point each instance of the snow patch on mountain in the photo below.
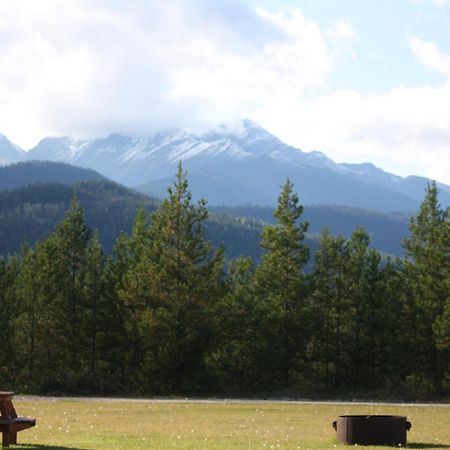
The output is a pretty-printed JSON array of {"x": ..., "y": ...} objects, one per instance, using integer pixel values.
[
  {"x": 370, "y": 170},
  {"x": 136, "y": 159}
]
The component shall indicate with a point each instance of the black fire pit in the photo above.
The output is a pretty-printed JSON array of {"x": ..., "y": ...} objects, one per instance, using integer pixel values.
[{"x": 372, "y": 430}]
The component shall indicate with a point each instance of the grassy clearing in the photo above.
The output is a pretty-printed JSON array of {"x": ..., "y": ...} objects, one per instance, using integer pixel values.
[{"x": 95, "y": 424}]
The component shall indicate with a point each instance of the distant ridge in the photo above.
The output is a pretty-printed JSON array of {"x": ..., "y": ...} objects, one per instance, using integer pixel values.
[{"x": 30, "y": 172}]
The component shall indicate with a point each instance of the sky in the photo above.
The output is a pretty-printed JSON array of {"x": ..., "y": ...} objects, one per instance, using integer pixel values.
[{"x": 359, "y": 80}]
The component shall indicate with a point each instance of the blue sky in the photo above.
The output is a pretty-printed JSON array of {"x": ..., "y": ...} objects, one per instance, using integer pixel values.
[
  {"x": 360, "y": 80},
  {"x": 382, "y": 56}
]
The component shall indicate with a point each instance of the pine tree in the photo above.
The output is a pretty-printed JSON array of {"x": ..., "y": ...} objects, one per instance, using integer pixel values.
[
  {"x": 280, "y": 283},
  {"x": 348, "y": 310},
  {"x": 184, "y": 278},
  {"x": 441, "y": 327},
  {"x": 8, "y": 310},
  {"x": 72, "y": 238},
  {"x": 365, "y": 306},
  {"x": 97, "y": 312},
  {"x": 132, "y": 254},
  {"x": 396, "y": 334},
  {"x": 428, "y": 271},
  {"x": 40, "y": 337},
  {"x": 330, "y": 309},
  {"x": 237, "y": 359},
  {"x": 132, "y": 274}
]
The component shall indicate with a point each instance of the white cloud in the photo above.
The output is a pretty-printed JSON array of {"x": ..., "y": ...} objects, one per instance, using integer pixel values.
[
  {"x": 405, "y": 130},
  {"x": 230, "y": 84},
  {"x": 90, "y": 67},
  {"x": 429, "y": 55}
]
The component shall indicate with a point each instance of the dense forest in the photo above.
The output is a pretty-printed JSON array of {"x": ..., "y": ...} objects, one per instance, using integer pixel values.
[
  {"x": 31, "y": 212},
  {"x": 163, "y": 314}
]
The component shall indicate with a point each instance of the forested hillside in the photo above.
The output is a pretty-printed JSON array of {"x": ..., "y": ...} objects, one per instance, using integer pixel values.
[
  {"x": 164, "y": 315},
  {"x": 31, "y": 172},
  {"x": 30, "y": 213}
]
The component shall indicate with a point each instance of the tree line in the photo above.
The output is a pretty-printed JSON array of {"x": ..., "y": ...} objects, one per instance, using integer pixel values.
[{"x": 164, "y": 313}]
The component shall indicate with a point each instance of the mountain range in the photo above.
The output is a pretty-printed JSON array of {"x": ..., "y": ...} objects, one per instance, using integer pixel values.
[{"x": 231, "y": 165}]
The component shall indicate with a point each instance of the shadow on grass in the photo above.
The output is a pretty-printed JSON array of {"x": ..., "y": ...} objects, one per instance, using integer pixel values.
[
  {"x": 424, "y": 445},
  {"x": 46, "y": 447}
]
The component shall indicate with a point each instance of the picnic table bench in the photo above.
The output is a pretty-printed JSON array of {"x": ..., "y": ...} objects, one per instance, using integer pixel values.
[{"x": 10, "y": 424}]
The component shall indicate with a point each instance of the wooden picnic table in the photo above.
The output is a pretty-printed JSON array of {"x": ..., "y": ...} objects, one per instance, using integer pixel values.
[{"x": 10, "y": 424}]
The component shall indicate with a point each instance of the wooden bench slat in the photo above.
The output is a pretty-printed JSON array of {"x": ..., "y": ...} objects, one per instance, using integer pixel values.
[
  {"x": 16, "y": 426},
  {"x": 6, "y": 394}
]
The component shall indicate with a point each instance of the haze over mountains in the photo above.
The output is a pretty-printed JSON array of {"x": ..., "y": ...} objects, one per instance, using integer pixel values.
[
  {"x": 231, "y": 165},
  {"x": 9, "y": 152}
]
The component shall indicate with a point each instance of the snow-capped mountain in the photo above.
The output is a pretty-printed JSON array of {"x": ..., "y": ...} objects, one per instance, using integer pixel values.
[
  {"x": 134, "y": 160},
  {"x": 236, "y": 164},
  {"x": 9, "y": 152}
]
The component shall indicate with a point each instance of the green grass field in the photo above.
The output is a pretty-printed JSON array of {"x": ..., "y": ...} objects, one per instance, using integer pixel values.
[{"x": 102, "y": 424}]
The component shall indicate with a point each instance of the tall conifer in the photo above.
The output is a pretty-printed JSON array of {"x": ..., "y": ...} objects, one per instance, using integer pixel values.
[
  {"x": 184, "y": 278},
  {"x": 428, "y": 271},
  {"x": 280, "y": 283}
]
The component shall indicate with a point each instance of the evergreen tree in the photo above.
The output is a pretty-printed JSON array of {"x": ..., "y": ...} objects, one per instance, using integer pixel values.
[
  {"x": 348, "y": 310},
  {"x": 441, "y": 327},
  {"x": 61, "y": 328},
  {"x": 133, "y": 256},
  {"x": 40, "y": 337},
  {"x": 280, "y": 284},
  {"x": 8, "y": 310},
  {"x": 184, "y": 278},
  {"x": 132, "y": 273},
  {"x": 397, "y": 331},
  {"x": 72, "y": 239},
  {"x": 98, "y": 312},
  {"x": 428, "y": 270},
  {"x": 114, "y": 343},
  {"x": 330, "y": 306},
  {"x": 237, "y": 359},
  {"x": 365, "y": 308}
]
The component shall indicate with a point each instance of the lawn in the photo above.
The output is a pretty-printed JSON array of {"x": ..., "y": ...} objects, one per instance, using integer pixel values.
[{"x": 117, "y": 424}]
